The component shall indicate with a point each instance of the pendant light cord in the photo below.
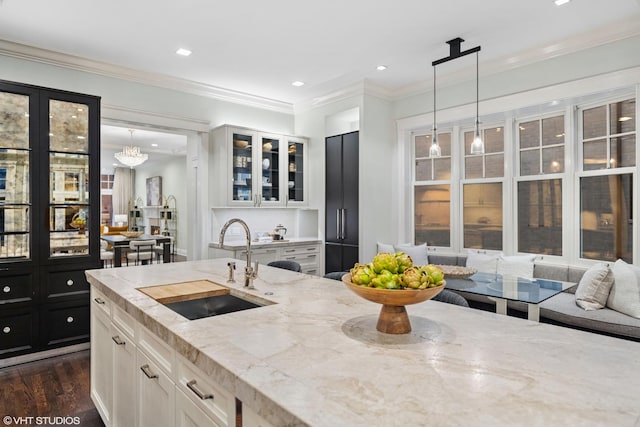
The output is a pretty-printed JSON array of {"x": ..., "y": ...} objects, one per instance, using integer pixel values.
[
  {"x": 434, "y": 97},
  {"x": 477, "y": 90}
]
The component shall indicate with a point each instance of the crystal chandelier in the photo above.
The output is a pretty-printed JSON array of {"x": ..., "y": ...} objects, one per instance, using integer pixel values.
[{"x": 130, "y": 155}]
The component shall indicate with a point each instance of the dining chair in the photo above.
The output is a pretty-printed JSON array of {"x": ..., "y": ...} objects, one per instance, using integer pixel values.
[
  {"x": 286, "y": 264},
  {"x": 141, "y": 251},
  {"x": 106, "y": 256},
  {"x": 159, "y": 249}
]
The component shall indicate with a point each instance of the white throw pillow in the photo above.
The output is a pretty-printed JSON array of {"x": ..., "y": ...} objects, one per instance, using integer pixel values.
[
  {"x": 418, "y": 253},
  {"x": 516, "y": 265},
  {"x": 625, "y": 292},
  {"x": 594, "y": 287},
  {"x": 482, "y": 262},
  {"x": 384, "y": 247}
]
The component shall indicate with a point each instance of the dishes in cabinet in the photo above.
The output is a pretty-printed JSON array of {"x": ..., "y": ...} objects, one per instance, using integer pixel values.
[
  {"x": 239, "y": 143},
  {"x": 267, "y": 146},
  {"x": 265, "y": 164}
]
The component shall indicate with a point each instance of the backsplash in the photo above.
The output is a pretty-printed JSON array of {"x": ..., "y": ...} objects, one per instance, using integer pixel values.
[{"x": 299, "y": 222}]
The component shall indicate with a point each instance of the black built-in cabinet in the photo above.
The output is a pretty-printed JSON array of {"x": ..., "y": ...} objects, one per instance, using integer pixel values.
[
  {"x": 341, "y": 211},
  {"x": 49, "y": 216}
]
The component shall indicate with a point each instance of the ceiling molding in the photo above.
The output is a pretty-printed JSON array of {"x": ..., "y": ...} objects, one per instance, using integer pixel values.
[
  {"x": 604, "y": 35},
  {"x": 43, "y": 56}
]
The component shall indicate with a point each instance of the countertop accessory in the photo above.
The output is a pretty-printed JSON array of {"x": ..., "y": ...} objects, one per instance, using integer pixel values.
[
  {"x": 393, "y": 318},
  {"x": 457, "y": 271},
  {"x": 232, "y": 267},
  {"x": 250, "y": 272}
]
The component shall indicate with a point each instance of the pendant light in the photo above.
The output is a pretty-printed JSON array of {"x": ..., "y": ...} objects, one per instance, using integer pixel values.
[
  {"x": 434, "y": 150},
  {"x": 477, "y": 147}
]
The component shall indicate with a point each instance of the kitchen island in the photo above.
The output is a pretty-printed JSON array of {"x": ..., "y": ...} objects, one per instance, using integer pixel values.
[{"x": 314, "y": 356}]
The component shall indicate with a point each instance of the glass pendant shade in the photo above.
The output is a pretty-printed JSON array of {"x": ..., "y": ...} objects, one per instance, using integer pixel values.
[
  {"x": 477, "y": 146},
  {"x": 434, "y": 150}
]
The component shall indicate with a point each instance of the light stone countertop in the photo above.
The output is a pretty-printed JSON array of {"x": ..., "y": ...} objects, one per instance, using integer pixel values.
[
  {"x": 315, "y": 358},
  {"x": 236, "y": 244}
]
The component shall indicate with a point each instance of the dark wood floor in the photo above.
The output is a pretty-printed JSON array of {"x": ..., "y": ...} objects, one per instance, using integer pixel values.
[{"x": 54, "y": 387}]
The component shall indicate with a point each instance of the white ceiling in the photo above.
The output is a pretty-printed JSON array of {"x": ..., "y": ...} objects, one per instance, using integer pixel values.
[{"x": 260, "y": 47}]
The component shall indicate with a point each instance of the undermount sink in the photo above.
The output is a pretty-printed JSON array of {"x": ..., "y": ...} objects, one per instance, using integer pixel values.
[
  {"x": 210, "y": 306},
  {"x": 201, "y": 298}
]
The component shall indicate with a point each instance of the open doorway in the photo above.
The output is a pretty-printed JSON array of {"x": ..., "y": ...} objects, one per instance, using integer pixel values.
[{"x": 124, "y": 198}]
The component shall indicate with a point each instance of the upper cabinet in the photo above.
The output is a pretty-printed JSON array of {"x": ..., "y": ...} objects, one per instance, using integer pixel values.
[{"x": 258, "y": 169}]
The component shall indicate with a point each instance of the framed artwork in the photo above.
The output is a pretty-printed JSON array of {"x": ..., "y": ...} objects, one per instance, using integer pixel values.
[{"x": 154, "y": 191}]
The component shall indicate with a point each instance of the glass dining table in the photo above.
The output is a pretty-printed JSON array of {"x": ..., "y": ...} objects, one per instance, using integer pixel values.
[
  {"x": 119, "y": 241},
  {"x": 505, "y": 288}
]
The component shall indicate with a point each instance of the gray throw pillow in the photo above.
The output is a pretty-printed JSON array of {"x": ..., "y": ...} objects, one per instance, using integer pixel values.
[{"x": 593, "y": 289}]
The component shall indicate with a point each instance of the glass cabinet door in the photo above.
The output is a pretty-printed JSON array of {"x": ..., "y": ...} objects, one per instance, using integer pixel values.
[
  {"x": 270, "y": 170},
  {"x": 68, "y": 178},
  {"x": 242, "y": 167},
  {"x": 295, "y": 171},
  {"x": 15, "y": 169}
]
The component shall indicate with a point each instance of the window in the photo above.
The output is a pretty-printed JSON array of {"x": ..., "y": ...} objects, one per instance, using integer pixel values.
[
  {"x": 606, "y": 189},
  {"x": 541, "y": 152},
  {"x": 482, "y": 200},
  {"x": 608, "y": 136},
  {"x": 432, "y": 197},
  {"x": 482, "y": 212},
  {"x": 606, "y": 207}
]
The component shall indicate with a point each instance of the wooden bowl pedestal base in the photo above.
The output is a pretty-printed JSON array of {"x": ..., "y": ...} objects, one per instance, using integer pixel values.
[{"x": 393, "y": 319}]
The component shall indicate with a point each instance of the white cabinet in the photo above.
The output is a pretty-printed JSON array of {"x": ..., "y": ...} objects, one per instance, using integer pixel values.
[
  {"x": 188, "y": 414},
  {"x": 124, "y": 369},
  {"x": 307, "y": 255},
  {"x": 155, "y": 395},
  {"x": 251, "y": 419},
  {"x": 258, "y": 169},
  {"x": 101, "y": 356}
]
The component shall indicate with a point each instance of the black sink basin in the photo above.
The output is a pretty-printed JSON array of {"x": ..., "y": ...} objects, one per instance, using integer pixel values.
[{"x": 210, "y": 306}]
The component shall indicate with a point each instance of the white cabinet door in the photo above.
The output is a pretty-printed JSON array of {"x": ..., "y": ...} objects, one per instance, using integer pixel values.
[
  {"x": 124, "y": 379},
  {"x": 156, "y": 394},
  {"x": 101, "y": 359},
  {"x": 189, "y": 415},
  {"x": 294, "y": 174}
]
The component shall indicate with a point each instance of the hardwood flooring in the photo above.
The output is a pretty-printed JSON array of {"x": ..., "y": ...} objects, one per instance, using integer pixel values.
[{"x": 54, "y": 387}]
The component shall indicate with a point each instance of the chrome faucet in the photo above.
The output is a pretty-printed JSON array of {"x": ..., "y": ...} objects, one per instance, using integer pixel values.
[{"x": 250, "y": 272}]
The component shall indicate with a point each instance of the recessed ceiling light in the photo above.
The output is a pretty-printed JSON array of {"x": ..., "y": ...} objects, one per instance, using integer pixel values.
[
  {"x": 624, "y": 118},
  {"x": 381, "y": 67},
  {"x": 561, "y": 2},
  {"x": 298, "y": 83},
  {"x": 154, "y": 145},
  {"x": 183, "y": 52}
]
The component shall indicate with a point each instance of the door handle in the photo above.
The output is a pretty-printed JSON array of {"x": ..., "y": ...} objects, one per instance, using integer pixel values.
[
  {"x": 337, "y": 223},
  {"x": 342, "y": 222}
]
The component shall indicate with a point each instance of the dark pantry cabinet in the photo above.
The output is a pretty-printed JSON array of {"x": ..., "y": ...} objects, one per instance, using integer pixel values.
[
  {"x": 49, "y": 212},
  {"x": 341, "y": 215}
]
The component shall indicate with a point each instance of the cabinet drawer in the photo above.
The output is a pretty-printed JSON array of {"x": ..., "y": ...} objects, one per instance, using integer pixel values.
[
  {"x": 17, "y": 332},
  {"x": 124, "y": 322},
  {"x": 157, "y": 350},
  {"x": 300, "y": 250},
  {"x": 67, "y": 282},
  {"x": 100, "y": 302},
  {"x": 206, "y": 393},
  {"x": 16, "y": 288},
  {"x": 66, "y": 322}
]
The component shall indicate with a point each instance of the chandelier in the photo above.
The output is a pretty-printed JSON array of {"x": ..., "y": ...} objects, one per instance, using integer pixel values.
[{"x": 131, "y": 155}]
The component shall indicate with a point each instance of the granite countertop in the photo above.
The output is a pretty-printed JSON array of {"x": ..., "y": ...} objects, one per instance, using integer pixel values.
[
  {"x": 315, "y": 358},
  {"x": 233, "y": 245}
]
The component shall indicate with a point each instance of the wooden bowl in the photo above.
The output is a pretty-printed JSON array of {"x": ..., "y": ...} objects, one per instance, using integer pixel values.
[
  {"x": 393, "y": 318},
  {"x": 131, "y": 233}
]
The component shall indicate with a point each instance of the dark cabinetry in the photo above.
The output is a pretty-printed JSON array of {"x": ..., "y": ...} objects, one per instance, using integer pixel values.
[
  {"x": 49, "y": 216},
  {"x": 341, "y": 215}
]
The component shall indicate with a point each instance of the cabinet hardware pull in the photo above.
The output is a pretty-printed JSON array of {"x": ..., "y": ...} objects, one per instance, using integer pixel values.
[
  {"x": 145, "y": 369},
  {"x": 337, "y": 223},
  {"x": 290, "y": 257},
  {"x": 6, "y": 329},
  {"x": 99, "y": 300},
  {"x": 116, "y": 339},
  {"x": 194, "y": 388},
  {"x": 342, "y": 223},
  {"x": 289, "y": 250},
  {"x": 311, "y": 256},
  {"x": 6, "y": 289},
  {"x": 69, "y": 282}
]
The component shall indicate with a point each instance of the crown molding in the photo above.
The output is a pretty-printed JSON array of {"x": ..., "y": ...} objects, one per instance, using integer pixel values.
[
  {"x": 604, "y": 35},
  {"x": 361, "y": 88},
  {"x": 48, "y": 57}
]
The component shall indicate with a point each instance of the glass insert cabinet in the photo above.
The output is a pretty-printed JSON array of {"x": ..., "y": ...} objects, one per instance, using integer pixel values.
[
  {"x": 49, "y": 215},
  {"x": 259, "y": 169}
]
